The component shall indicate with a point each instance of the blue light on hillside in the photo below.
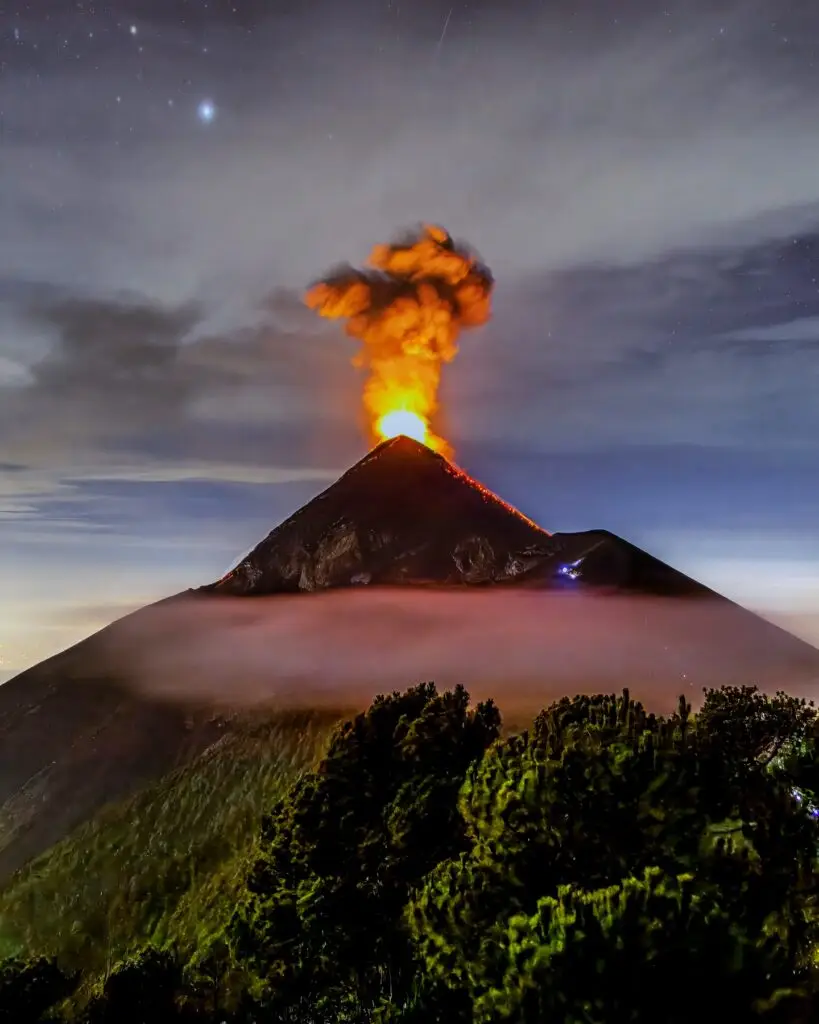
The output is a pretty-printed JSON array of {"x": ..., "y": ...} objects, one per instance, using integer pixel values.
[
  {"x": 570, "y": 571},
  {"x": 809, "y": 806}
]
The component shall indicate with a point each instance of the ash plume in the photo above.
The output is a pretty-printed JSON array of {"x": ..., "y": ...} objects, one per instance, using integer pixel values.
[{"x": 407, "y": 308}]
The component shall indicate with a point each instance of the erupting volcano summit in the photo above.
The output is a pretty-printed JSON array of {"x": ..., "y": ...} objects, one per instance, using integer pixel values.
[
  {"x": 407, "y": 309},
  {"x": 405, "y": 515}
]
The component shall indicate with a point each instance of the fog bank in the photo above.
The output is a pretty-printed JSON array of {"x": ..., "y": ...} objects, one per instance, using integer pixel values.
[{"x": 523, "y": 648}]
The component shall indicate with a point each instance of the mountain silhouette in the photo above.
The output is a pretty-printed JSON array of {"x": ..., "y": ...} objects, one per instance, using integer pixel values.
[
  {"x": 402, "y": 515},
  {"x": 405, "y": 515}
]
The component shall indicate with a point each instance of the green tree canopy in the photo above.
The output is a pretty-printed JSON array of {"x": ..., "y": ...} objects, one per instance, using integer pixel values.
[
  {"x": 608, "y": 866},
  {"x": 623, "y": 851},
  {"x": 342, "y": 852}
]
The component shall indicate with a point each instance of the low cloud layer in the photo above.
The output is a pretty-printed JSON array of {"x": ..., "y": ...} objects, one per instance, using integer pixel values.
[{"x": 522, "y": 648}]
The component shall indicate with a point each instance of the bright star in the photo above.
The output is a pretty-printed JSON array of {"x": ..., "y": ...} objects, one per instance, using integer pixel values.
[
  {"x": 206, "y": 111},
  {"x": 133, "y": 30}
]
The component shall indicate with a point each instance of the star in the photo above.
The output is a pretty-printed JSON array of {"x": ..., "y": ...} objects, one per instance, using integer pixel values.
[
  {"x": 133, "y": 30},
  {"x": 206, "y": 111}
]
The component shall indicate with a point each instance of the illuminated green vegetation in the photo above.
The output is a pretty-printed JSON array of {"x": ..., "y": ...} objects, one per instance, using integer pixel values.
[
  {"x": 604, "y": 866},
  {"x": 164, "y": 866}
]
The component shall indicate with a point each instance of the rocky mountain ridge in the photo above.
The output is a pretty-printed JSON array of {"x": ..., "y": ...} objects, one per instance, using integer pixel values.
[{"x": 405, "y": 516}]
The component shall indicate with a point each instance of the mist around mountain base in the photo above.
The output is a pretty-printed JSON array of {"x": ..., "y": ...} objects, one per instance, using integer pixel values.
[{"x": 523, "y": 647}]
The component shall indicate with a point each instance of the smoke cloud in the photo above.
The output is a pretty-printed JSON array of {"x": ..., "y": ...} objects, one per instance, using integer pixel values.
[
  {"x": 523, "y": 648},
  {"x": 408, "y": 309}
]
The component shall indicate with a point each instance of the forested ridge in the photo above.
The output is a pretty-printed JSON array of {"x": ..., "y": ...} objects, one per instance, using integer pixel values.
[{"x": 605, "y": 865}]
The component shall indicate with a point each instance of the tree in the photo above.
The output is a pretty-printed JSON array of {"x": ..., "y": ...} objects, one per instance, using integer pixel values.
[
  {"x": 752, "y": 726},
  {"x": 617, "y": 849},
  {"x": 653, "y": 948},
  {"x": 323, "y": 923}
]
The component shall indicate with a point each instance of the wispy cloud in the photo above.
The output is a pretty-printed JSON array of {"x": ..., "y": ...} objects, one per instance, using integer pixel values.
[
  {"x": 547, "y": 143},
  {"x": 43, "y": 485},
  {"x": 805, "y": 329},
  {"x": 125, "y": 394}
]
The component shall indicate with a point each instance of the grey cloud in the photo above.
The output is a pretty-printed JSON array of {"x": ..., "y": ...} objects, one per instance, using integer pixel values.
[
  {"x": 544, "y": 147},
  {"x": 803, "y": 332},
  {"x": 675, "y": 351},
  {"x": 113, "y": 368},
  {"x": 701, "y": 397},
  {"x": 127, "y": 391}
]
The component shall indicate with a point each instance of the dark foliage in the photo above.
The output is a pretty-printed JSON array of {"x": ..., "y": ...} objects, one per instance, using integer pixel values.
[
  {"x": 342, "y": 852},
  {"x": 613, "y": 854},
  {"x": 141, "y": 990},
  {"x": 429, "y": 871},
  {"x": 29, "y": 989},
  {"x": 751, "y": 726}
]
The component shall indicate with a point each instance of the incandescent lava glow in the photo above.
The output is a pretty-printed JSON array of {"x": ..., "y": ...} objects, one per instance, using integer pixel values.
[
  {"x": 407, "y": 308},
  {"x": 402, "y": 422}
]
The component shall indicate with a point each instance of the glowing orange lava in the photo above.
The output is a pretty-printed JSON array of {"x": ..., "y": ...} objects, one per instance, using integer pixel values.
[
  {"x": 402, "y": 421},
  {"x": 407, "y": 309}
]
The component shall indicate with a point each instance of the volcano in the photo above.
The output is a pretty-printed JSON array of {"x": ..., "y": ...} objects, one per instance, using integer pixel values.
[
  {"x": 74, "y": 735},
  {"x": 403, "y": 515},
  {"x": 406, "y": 516}
]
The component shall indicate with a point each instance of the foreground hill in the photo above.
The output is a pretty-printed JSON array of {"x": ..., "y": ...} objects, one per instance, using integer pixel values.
[
  {"x": 167, "y": 862},
  {"x": 151, "y": 692},
  {"x": 429, "y": 868},
  {"x": 73, "y": 738}
]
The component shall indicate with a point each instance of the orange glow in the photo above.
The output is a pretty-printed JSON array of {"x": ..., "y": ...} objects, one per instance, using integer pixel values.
[
  {"x": 407, "y": 310},
  {"x": 402, "y": 421}
]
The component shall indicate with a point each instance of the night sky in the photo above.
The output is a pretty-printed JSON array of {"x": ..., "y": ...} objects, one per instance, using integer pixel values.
[{"x": 643, "y": 180}]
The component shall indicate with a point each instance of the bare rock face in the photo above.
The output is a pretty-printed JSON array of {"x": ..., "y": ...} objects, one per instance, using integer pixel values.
[
  {"x": 405, "y": 516},
  {"x": 338, "y": 555},
  {"x": 476, "y": 561},
  {"x": 402, "y": 515}
]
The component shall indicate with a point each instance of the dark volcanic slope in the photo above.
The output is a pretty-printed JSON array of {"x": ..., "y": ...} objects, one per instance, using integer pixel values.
[
  {"x": 403, "y": 514},
  {"x": 599, "y": 559},
  {"x": 73, "y": 739}
]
